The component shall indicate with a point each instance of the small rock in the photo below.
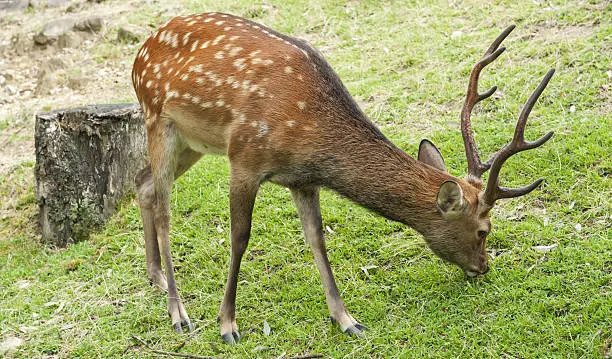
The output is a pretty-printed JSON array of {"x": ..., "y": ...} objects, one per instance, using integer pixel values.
[
  {"x": 90, "y": 24},
  {"x": 58, "y": 3},
  {"x": 52, "y": 31},
  {"x": 13, "y": 5},
  {"x": 131, "y": 33},
  {"x": 572, "y": 109}
]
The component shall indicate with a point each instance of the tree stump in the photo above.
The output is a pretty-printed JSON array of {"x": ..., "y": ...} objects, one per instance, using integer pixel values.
[{"x": 86, "y": 160}]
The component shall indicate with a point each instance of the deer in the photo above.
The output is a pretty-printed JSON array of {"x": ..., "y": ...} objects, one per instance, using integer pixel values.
[{"x": 216, "y": 83}]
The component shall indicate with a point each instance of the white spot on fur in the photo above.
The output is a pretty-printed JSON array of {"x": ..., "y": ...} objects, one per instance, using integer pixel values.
[
  {"x": 235, "y": 37},
  {"x": 240, "y": 64},
  {"x": 219, "y": 23},
  {"x": 186, "y": 38},
  {"x": 220, "y": 103},
  {"x": 227, "y": 28},
  {"x": 254, "y": 53},
  {"x": 194, "y": 45},
  {"x": 209, "y": 19},
  {"x": 288, "y": 69},
  {"x": 219, "y": 55},
  {"x": 149, "y": 83},
  {"x": 200, "y": 81},
  {"x": 191, "y": 23},
  {"x": 187, "y": 96},
  {"x": 291, "y": 123},
  {"x": 205, "y": 45},
  {"x": 184, "y": 77},
  {"x": 171, "y": 94},
  {"x": 167, "y": 86},
  {"x": 217, "y": 39},
  {"x": 206, "y": 104},
  {"x": 234, "y": 51},
  {"x": 195, "y": 100},
  {"x": 196, "y": 68},
  {"x": 301, "y": 105}
]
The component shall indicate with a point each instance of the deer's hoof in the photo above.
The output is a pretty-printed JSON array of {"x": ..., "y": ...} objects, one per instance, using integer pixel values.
[
  {"x": 356, "y": 330},
  {"x": 185, "y": 323},
  {"x": 231, "y": 338}
]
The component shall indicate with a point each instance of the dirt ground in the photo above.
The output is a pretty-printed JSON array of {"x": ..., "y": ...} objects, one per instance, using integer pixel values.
[{"x": 92, "y": 68}]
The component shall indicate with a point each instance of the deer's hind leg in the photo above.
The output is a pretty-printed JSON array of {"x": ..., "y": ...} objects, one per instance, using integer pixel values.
[
  {"x": 169, "y": 159},
  {"x": 145, "y": 191}
]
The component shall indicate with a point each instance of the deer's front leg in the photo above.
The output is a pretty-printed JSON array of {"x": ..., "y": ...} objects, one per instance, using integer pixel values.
[
  {"x": 242, "y": 198},
  {"x": 307, "y": 202}
]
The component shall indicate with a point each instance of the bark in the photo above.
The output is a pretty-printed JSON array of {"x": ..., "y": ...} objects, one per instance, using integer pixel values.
[{"x": 86, "y": 159}]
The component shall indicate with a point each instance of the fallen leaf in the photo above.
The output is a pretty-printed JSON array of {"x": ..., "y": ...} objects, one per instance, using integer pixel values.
[
  {"x": 22, "y": 284},
  {"x": 366, "y": 269},
  {"x": 544, "y": 249},
  {"x": 266, "y": 328},
  {"x": 260, "y": 348},
  {"x": 10, "y": 344}
]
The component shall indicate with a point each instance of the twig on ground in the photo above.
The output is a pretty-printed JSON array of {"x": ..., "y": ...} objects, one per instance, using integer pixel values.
[
  {"x": 172, "y": 354},
  {"x": 307, "y": 356}
]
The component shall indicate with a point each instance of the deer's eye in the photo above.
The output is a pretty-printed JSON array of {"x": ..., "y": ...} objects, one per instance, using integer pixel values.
[{"x": 483, "y": 235}]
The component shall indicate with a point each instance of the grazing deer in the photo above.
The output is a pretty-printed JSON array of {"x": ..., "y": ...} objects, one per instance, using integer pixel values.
[{"x": 218, "y": 84}]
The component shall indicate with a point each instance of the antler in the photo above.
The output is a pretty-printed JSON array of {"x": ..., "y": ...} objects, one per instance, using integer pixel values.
[
  {"x": 493, "y": 191},
  {"x": 475, "y": 166}
]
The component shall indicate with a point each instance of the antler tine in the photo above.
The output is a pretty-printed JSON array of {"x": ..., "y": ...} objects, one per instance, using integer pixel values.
[
  {"x": 475, "y": 166},
  {"x": 493, "y": 191}
]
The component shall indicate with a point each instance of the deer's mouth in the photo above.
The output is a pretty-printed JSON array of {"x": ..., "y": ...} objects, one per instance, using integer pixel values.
[
  {"x": 475, "y": 272},
  {"x": 471, "y": 273}
]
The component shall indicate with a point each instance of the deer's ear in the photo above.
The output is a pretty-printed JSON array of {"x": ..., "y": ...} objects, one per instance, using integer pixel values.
[
  {"x": 450, "y": 198},
  {"x": 429, "y": 153}
]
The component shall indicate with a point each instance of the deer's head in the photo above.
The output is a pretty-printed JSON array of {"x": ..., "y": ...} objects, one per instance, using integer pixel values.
[{"x": 462, "y": 224}]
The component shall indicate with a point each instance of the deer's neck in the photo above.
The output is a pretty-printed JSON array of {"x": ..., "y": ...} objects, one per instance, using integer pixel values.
[{"x": 368, "y": 169}]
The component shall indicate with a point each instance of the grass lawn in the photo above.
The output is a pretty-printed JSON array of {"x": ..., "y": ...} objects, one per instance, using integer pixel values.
[{"x": 407, "y": 64}]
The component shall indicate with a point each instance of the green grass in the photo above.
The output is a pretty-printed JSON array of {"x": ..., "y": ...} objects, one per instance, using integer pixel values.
[{"x": 85, "y": 301}]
